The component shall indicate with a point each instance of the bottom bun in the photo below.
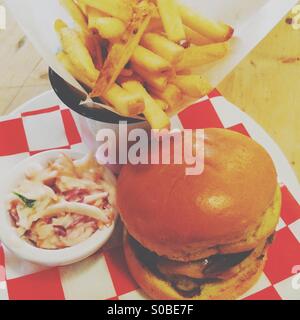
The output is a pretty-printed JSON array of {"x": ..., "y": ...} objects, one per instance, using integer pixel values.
[{"x": 159, "y": 289}]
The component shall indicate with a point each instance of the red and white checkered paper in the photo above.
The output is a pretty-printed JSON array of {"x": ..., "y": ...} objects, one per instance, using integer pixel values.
[{"x": 105, "y": 275}]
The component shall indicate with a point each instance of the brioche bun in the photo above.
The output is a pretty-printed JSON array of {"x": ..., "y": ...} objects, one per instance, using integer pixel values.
[{"x": 190, "y": 217}]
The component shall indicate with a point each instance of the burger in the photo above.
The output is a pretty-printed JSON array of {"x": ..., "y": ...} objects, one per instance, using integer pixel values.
[{"x": 201, "y": 236}]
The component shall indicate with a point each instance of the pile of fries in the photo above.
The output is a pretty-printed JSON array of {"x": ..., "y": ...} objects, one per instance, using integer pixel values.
[{"x": 138, "y": 55}]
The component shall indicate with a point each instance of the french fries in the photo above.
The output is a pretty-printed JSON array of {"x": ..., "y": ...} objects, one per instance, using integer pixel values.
[
  {"x": 116, "y": 8},
  {"x": 79, "y": 55},
  {"x": 171, "y": 20},
  {"x": 167, "y": 49},
  {"x": 93, "y": 44},
  {"x": 140, "y": 56},
  {"x": 197, "y": 56},
  {"x": 75, "y": 13},
  {"x": 126, "y": 103},
  {"x": 154, "y": 114},
  {"x": 150, "y": 61},
  {"x": 196, "y": 38},
  {"x": 157, "y": 81},
  {"x": 120, "y": 53},
  {"x": 83, "y": 7},
  {"x": 171, "y": 95},
  {"x": 108, "y": 27},
  {"x": 192, "y": 85},
  {"x": 162, "y": 104},
  {"x": 59, "y": 25},
  {"x": 65, "y": 60},
  {"x": 155, "y": 25},
  {"x": 210, "y": 29}
]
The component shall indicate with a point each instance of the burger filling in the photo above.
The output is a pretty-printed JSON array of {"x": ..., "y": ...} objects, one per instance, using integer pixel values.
[{"x": 187, "y": 278}]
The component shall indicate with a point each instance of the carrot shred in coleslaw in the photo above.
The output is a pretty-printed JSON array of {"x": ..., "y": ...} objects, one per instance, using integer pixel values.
[{"x": 63, "y": 203}]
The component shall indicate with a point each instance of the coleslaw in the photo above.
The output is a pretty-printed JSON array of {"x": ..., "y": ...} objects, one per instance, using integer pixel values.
[{"x": 63, "y": 203}]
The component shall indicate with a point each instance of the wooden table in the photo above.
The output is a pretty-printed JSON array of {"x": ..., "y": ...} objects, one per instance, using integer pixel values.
[{"x": 265, "y": 84}]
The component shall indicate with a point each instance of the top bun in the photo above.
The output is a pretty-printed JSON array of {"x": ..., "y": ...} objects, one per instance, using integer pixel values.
[{"x": 176, "y": 215}]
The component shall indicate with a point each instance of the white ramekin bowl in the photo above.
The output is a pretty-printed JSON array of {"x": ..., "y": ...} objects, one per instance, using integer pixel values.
[{"x": 25, "y": 250}]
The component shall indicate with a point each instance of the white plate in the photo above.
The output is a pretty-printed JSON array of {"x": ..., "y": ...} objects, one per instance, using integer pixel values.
[{"x": 25, "y": 250}]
